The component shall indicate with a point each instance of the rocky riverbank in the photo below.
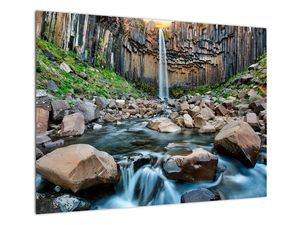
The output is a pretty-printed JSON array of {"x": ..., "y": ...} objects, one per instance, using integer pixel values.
[
  {"x": 187, "y": 149},
  {"x": 72, "y": 173}
]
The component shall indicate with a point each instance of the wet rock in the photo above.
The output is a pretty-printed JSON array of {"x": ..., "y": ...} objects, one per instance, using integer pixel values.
[
  {"x": 262, "y": 158},
  {"x": 59, "y": 108},
  {"x": 199, "y": 195},
  {"x": 64, "y": 67},
  {"x": 54, "y": 144},
  {"x": 169, "y": 127},
  {"x": 197, "y": 166},
  {"x": 101, "y": 102},
  {"x": 62, "y": 203},
  {"x": 42, "y": 138},
  {"x": 78, "y": 167},
  {"x": 97, "y": 126},
  {"x": 139, "y": 161},
  {"x": 72, "y": 125},
  {"x": 38, "y": 153},
  {"x": 68, "y": 203},
  {"x": 188, "y": 121},
  {"x": 89, "y": 110},
  {"x": 239, "y": 140},
  {"x": 163, "y": 125},
  {"x": 252, "y": 120},
  {"x": 42, "y": 118}
]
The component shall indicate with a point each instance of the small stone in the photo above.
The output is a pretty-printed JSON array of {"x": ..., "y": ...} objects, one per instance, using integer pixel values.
[{"x": 64, "y": 67}]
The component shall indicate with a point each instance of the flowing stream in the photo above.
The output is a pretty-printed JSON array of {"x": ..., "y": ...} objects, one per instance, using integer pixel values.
[
  {"x": 148, "y": 185},
  {"x": 163, "y": 70}
]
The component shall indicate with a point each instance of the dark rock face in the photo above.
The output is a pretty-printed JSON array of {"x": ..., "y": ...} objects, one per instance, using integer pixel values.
[
  {"x": 239, "y": 140},
  {"x": 200, "y": 195},
  {"x": 197, "y": 53}
]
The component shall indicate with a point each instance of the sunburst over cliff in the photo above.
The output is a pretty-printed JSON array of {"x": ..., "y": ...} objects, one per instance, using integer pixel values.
[{"x": 159, "y": 23}]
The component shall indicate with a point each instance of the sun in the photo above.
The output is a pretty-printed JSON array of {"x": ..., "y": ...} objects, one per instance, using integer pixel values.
[{"x": 159, "y": 23}]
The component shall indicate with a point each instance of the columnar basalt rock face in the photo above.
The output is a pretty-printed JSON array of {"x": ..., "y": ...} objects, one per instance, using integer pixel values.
[{"x": 197, "y": 53}]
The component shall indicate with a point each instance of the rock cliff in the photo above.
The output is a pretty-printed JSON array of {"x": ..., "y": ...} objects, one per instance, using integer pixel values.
[{"x": 197, "y": 53}]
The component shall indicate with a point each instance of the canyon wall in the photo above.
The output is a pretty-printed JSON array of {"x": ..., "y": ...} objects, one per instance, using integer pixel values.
[{"x": 197, "y": 53}]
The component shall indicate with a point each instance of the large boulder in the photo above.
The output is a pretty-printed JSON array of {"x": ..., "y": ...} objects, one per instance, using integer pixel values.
[
  {"x": 109, "y": 118},
  {"x": 199, "y": 121},
  {"x": 89, "y": 110},
  {"x": 206, "y": 112},
  {"x": 199, "y": 195},
  {"x": 239, "y": 140},
  {"x": 72, "y": 125},
  {"x": 258, "y": 106},
  {"x": 101, "y": 102},
  {"x": 197, "y": 166},
  {"x": 42, "y": 118},
  {"x": 194, "y": 99},
  {"x": 59, "y": 108},
  {"x": 252, "y": 120},
  {"x": 182, "y": 106},
  {"x": 188, "y": 121},
  {"x": 78, "y": 167},
  {"x": 194, "y": 111},
  {"x": 163, "y": 125},
  {"x": 221, "y": 110},
  {"x": 207, "y": 128}
]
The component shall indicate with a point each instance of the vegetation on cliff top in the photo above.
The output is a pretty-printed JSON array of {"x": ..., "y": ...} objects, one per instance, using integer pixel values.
[{"x": 84, "y": 80}]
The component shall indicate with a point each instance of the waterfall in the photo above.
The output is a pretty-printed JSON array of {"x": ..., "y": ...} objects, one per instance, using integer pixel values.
[
  {"x": 163, "y": 72},
  {"x": 146, "y": 186}
]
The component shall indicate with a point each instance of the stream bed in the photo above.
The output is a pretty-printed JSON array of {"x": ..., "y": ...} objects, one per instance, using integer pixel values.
[{"x": 148, "y": 184}]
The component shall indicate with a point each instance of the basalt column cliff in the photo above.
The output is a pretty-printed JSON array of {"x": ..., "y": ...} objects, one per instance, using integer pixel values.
[{"x": 197, "y": 54}]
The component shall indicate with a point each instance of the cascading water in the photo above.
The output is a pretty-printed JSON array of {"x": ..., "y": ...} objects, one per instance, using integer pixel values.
[
  {"x": 147, "y": 186},
  {"x": 163, "y": 72}
]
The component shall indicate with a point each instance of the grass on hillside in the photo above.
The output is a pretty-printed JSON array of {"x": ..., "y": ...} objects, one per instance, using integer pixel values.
[
  {"x": 84, "y": 80},
  {"x": 228, "y": 88}
]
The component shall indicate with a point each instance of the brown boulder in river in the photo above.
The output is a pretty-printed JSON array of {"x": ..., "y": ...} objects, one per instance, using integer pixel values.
[
  {"x": 163, "y": 125},
  {"x": 197, "y": 166},
  {"x": 78, "y": 167},
  {"x": 239, "y": 140},
  {"x": 72, "y": 125}
]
